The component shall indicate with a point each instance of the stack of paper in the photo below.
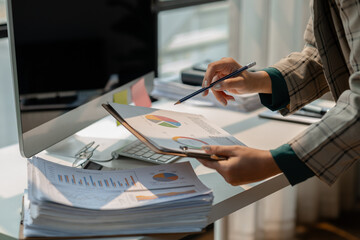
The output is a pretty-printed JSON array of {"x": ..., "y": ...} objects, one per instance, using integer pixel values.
[
  {"x": 175, "y": 90},
  {"x": 64, "y": 201}
]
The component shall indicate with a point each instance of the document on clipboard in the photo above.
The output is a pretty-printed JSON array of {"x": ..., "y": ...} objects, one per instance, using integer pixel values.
[{"x": 171, "y": 132}]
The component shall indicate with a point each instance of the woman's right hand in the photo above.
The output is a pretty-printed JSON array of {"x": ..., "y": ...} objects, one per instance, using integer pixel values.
[
  {"x": 243, "y": 164},
  {"x": 245, "y": 82}
]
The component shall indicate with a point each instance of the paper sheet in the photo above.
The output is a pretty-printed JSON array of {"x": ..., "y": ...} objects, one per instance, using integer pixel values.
[
  {"x": 111, "y": 189},
  {"x": 173, "y": 130}
]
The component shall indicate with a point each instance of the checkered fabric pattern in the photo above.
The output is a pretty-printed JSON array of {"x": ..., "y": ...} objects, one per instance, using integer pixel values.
[{"x": 329, "y": 61}]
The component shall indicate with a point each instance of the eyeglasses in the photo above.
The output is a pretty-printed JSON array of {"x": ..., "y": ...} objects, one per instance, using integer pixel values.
[{"x": 84, "y": 155}]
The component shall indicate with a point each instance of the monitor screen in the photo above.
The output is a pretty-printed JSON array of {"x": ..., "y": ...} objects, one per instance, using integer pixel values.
[{"x": 65, "y": 54}]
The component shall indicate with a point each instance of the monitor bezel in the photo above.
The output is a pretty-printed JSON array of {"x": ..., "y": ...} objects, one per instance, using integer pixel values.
[{"x": 48, "y": 134}]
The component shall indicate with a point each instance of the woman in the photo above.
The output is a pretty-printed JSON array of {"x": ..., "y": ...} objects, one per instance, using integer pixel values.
[{"x": 330, "y": 61}]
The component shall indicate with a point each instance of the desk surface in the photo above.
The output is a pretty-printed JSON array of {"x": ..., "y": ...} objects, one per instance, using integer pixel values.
[{"x": 247, "y": 127}]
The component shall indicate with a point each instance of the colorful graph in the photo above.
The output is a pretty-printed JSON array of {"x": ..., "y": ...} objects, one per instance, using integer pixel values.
[
  {"x": 165, "y": 177},
  {"x": 163, "y": 121},
  {"x": 189, "y": 142},
  {"x": 88, "y": 181},
  {"x": 162, "y": 195}
]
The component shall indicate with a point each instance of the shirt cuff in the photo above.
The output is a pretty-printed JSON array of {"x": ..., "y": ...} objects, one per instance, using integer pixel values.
[
  {"x": 280, "y": 96},
  {"x": 293, "y": 168}
]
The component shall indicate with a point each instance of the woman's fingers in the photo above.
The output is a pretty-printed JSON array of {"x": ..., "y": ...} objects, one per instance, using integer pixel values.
[
  {"x": 206, "y": 84},
  {"x": 231, "y": 83},
  {"x": 218, "y": 69},
  {"x": 226, "y": 151}
]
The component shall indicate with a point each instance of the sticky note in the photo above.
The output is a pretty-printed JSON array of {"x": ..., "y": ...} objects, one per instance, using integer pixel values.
[
  {"x": 120, "y": 97},
  {"x": 139, "y": 94}
]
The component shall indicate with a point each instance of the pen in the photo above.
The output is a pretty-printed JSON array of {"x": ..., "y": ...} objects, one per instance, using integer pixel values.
[
  {"x": 315, "y": 109},
  {"x": 233, "y": 74},
  {"x": 307, "y": 114}
]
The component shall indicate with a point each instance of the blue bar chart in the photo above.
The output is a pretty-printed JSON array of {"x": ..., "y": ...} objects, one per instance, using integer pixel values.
[{"x": 98, "y": 181}]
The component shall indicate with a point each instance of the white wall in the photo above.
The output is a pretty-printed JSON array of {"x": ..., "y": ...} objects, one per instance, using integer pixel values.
[
  {"x": 8, "y": 129},
  {"x": 191, "y": 35}
]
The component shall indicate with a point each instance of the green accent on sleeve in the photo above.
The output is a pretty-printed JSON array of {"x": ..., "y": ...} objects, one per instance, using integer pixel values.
[
  {"x": 280, "y": 96},
  {"x": 294, "y": 169}
]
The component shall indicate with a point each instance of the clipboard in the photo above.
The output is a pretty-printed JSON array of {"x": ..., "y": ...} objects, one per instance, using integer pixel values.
[{"x": 183, "y": 152}]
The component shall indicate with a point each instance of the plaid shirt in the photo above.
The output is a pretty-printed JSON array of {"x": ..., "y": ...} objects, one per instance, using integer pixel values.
[{"x": 329, "y": 61}]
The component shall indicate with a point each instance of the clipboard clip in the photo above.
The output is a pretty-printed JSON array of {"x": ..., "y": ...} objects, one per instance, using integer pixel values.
[
  {"x": 184, "y": 148},
  {"x": 211, "y": 157}
]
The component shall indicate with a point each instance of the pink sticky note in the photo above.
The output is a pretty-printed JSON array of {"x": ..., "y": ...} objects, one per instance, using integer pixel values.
[{"x": 139, "y": 94}]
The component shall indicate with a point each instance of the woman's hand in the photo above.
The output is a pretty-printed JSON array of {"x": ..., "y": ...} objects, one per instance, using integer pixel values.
[
  {"x": 244, "y": 164},
  {"x": 245, "y": 82}
]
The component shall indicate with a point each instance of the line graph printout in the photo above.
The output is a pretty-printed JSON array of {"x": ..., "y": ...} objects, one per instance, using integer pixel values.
[
  {"x": 174, "y": 130},
  {"x": 122, "y": 189}
]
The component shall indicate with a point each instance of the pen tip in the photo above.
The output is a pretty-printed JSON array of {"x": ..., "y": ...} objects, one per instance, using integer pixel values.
[
  {"x": 251, "y": 64},
  {"x": 178, "y": 102}
]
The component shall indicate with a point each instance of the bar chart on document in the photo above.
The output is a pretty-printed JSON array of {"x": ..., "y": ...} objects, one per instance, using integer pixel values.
[
  {"x": 112, "y": 189},
  {"x": 96, "y": 179},
  {"x": 81, "y": 202}
]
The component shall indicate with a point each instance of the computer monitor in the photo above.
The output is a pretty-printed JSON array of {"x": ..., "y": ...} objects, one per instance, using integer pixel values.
[{"x": 70, "y": 56}]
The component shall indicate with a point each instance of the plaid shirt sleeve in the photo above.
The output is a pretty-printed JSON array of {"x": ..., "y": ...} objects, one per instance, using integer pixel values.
[
  {"x": 303, "y": 73},
  {"x": 332, "y": 145}
]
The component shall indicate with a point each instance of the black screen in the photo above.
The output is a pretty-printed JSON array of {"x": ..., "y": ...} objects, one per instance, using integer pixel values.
[{"x": 67, "y": 45}]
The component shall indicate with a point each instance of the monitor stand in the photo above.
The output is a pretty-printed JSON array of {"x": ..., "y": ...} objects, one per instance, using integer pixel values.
[
  {"x": 101, "y": 133},
  {"x": 64, "y": 152}
]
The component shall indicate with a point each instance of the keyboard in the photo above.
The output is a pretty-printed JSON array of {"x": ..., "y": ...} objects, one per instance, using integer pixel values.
[{"x": 140, "y": 151}]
